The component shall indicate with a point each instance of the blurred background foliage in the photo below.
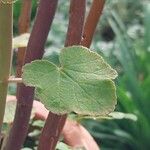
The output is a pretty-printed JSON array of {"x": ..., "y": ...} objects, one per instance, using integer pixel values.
[{"x": 122, "y": 37}]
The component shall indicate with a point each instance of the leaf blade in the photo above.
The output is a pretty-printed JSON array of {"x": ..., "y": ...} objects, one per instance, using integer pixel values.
[{"x": 63, "y": 91}]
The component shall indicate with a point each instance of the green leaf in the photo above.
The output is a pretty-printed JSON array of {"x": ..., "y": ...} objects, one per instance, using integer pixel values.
[
  {"x": 81, "y": 84},
  {"x": 26, "y": 148},
  {"x": 62, "y": 146},
  {"x": 38, "y": 123}
]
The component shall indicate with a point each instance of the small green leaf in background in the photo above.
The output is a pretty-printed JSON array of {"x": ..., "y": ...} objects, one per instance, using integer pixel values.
[
  {"x": 26, "y": 148},
  {"x": 62, "y": 146},
  {"x": 121, "y": 115},
  {"x": 81, "y": 84}
]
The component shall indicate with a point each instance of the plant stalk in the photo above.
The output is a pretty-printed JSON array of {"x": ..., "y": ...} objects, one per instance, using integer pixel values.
[
  {"x": 23, "y": 25},
  {"x": 5, "y": 53},
  {"x": 91, "y": 22},
  {"x": 35, "y": 50},
  {"x": 51, "y": 131},
  {"x": 55, "y": 123}
]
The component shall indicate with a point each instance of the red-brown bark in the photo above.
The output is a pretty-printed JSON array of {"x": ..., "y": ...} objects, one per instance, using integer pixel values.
[{"x": 91, "y": 22}]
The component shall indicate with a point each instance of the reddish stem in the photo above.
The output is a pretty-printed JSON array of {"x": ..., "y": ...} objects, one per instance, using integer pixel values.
[
  {"x": 91, "y": 22},
  {"x": 51, "y": 131},
  {"x": 35, "y": 50},
  {"x": 54, "y": 124},
  {"x": 76, "y": 22},
  {"x": 24, "y": 19},
  {"x": 23, "y": 25}
]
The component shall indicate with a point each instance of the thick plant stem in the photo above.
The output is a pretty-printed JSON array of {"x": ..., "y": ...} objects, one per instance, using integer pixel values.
[
  {"x": 5, "y": 53},
  {"x": 91, "y": 22},
  {"x": 35, "y": 50},
  {"x": 76, "y": 22},
  {"x": 55, "y": 123},
  {"x": 51, "y": 131}
]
